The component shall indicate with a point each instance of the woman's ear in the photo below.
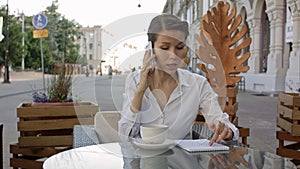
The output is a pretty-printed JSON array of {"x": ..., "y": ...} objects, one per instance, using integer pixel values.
[
  {"x": 186, "y": 60},
  {"x": 186, "y": 50}
]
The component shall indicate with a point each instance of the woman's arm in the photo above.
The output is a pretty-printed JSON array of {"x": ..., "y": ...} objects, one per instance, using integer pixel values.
[
  {"x": 127, "y": 124},
  {"x": 216, "y": 119}
]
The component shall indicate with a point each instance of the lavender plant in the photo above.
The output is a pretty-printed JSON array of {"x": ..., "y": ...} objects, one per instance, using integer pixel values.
[{"x": 59, "y": 89}]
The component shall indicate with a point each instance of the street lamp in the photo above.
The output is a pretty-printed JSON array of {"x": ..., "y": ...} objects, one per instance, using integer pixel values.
[
  {"x": 6, "y": 76},
  {"x": 23, "y": 41},
  {"x": 86, "y": 55}
]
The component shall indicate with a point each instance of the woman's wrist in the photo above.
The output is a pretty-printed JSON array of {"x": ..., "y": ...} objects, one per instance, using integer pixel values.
[
  {"x": 140, "y": 92},
  {"x": 137, "y": 101}
]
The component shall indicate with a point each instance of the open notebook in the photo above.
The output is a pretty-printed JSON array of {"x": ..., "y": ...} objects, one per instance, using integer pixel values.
[{"x": 199, "y": 145}]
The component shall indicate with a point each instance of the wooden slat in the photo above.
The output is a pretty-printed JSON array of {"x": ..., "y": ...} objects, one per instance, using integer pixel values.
[
  {"x": 44, "y": 141},
  {"x": 294, "y": 129},
  {"x": 289, "y": 112},
  {"x": 231, "y": 109},
  {"x": 37, "y": 125},
  {"x": 48, "y": 111},
  {"x": 25, "y": 163},
  {"x": 285, "y": 152},
  {"x": 244, "y": 132},
  {"x": 35, "y": 151},
  {"x": 290, "y": 99},
  {"x": 281, "y": 135},
  {"x": 232, "y": 91},
  {"x": 284, "y": 124}
]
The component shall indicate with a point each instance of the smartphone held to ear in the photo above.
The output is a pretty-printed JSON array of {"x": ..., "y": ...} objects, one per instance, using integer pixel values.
[{"x": 151, "y": 54}]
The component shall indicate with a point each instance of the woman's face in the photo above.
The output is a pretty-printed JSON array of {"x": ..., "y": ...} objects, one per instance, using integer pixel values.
[{"x": 170, "y": 49}]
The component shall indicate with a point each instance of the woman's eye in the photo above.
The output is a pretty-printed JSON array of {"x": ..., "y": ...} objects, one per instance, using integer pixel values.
[
  {"x": 180, "y": 47},
  {"x": 164, "y": 48}
]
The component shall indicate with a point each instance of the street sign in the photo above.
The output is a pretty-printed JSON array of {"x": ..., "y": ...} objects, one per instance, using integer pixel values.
[
  {"x": 39, "y": 21},
  {"x": 43, "y": 33}
]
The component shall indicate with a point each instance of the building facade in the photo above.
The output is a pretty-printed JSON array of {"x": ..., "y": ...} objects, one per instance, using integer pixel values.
[
  {"x": 273, "y": 25},
  {"x": 91, "y": 46}
]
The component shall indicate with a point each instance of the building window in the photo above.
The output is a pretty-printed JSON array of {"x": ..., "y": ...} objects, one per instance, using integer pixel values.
[
  {"x": 91, "y": 46},
  {"x": 91, "y": 57}
]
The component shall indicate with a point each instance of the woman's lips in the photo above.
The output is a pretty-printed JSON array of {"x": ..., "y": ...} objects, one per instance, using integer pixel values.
[{"x": 172, "y": 66}]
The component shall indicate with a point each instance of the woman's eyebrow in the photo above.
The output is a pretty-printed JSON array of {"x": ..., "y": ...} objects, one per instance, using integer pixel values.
[
  {"x": 181, "y": 43},
  {"x": 166, "y": 43}
]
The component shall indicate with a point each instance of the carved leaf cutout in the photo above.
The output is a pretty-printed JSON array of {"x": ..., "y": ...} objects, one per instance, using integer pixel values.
[
  {"x": 215, "y": 76},
  {"x": 220, "y": 29}
]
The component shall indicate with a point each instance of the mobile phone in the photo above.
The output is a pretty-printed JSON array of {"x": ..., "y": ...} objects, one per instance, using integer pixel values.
[{"x": 151, "y": 54}]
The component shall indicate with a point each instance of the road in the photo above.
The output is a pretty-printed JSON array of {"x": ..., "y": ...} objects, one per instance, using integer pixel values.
[
  {"x": 103, "y": 90},
  {"x": 255, "y": 112}
]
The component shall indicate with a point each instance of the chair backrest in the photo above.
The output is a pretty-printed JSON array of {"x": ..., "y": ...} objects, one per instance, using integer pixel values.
[{"x": 106, "y": 126}]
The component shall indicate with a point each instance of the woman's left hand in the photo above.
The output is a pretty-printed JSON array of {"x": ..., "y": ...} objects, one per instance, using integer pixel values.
[{"x": 221, "y": 132}]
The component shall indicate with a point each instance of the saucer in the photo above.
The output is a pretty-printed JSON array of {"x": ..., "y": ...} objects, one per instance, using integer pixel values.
[
  {"x": 153, "y": 153},
  {"x": 162, "y": 146}
]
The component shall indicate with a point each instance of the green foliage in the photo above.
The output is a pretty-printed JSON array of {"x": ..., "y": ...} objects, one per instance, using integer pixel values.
[
  {"x": 60, "y": 87},
  {"x": 58, "y": 90},
  {"x": 59, "y": 46}
]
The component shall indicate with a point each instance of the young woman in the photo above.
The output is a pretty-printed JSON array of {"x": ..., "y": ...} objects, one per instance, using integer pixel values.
[{"x": 163, "y": 93}]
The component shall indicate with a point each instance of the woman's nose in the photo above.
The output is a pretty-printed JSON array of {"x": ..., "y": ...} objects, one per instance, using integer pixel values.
[{"x": 172, "y": 53}]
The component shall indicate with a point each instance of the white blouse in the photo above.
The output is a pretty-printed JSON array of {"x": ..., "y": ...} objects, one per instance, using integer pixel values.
[{"x": 192, "y": 94}]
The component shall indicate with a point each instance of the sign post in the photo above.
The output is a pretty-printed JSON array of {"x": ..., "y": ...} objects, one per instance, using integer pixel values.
[{"x": 40, "y": 21}]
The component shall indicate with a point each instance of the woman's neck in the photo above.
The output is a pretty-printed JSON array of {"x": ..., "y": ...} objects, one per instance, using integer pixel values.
[
  {"x": 163, "y": 84},
  {"x": 162, "y": 76}
]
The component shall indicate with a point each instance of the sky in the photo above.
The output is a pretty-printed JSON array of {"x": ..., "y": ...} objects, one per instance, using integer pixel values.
[
  {"x": 111, "y": 15},
  {"x": 89, "y": 12}
]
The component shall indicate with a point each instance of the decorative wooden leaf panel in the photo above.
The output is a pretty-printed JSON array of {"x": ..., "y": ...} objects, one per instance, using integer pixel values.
[{"x": 221, "y": 32}]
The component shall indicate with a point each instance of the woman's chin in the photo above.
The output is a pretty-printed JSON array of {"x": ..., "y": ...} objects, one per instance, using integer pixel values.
[{"x": 171, "y": 71}]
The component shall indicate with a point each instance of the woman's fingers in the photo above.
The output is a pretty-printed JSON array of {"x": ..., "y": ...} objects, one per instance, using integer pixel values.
[
  {"x": 222, "y": 132},
  {"x": 148, "y": 60},
  {"x": 213, "y": 139}
]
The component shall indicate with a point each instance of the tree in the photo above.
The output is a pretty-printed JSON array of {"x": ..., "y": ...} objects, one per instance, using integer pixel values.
[
  {"x": 62, "y": 35},
  {"x": 14, "y": 39},
  {"x": 59, "y": 46}
]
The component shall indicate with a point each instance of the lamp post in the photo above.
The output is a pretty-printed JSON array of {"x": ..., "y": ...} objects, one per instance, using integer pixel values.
[
  {"x": 6, "y": 76},
  {"x": 171, "y": 7},
  {"x": 86, "y": 56},
  {"x": 23, "y": 41}
]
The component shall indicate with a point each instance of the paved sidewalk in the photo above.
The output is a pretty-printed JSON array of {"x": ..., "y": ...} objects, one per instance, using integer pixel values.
[
  {"x": 22, "y": 76},
  {"x": 255, "y": 110}
]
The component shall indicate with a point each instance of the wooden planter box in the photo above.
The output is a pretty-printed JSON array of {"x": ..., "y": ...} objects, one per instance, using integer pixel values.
[
  {"x": 52, "y": 126},
  {"x": 289, "y": 113},
  {"x": 31, "y": 157},
  {"x": 46, "y": 130}
]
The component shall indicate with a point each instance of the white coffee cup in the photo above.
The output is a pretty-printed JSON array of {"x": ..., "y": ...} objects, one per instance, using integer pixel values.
[{"x": 154, "y": 133}]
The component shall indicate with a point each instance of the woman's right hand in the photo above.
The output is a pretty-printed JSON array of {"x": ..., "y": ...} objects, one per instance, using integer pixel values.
[{"x": 147, "y": 71}]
